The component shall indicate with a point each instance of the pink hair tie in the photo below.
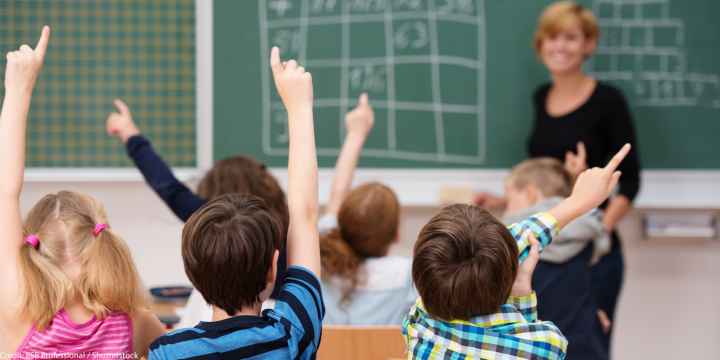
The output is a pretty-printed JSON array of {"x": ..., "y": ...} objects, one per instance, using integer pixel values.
[
  {"x": 99, "y": 228},
  {"x": 32, "y": 240}
]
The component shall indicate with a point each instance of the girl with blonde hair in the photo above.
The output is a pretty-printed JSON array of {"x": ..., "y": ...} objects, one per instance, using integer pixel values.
[{"x": 69, "y": 285}]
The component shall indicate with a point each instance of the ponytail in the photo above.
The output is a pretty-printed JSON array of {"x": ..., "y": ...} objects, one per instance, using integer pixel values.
[
  {"x": 367, "y": 225},
  {"x": 107, "y": 262},
  {"x": 45, "y": 287},
  {"x": 339, "y": 259}
]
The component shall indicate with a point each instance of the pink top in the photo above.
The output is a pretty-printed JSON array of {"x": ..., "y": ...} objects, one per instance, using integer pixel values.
[{"x": 110, "y": 338}]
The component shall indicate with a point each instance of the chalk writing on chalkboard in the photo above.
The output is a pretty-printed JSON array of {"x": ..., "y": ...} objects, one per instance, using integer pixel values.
[
  {"x": 644, "y": 46},
  {"x": 404, "y": 53}
]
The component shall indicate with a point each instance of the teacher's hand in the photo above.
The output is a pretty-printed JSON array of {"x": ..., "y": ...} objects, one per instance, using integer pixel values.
[
  {"x": 489, "y": 201},
  {"x": 576, "y": 163}
]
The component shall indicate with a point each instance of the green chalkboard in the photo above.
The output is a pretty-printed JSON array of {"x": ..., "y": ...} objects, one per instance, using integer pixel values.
[
  {"x": 451, "y": 80},
  {"x": 141, "y": 51}
]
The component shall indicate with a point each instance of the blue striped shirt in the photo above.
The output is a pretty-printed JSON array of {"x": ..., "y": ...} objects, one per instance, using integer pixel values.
[{"x": 291, "y": 330}]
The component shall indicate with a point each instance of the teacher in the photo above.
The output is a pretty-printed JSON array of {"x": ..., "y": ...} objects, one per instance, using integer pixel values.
[
  {"x": 581, "y": 121},
  {"x": 576, "y": 112}
]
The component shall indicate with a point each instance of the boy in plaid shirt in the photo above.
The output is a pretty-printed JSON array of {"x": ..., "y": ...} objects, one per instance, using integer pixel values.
[{"x": 476, "y": 301}]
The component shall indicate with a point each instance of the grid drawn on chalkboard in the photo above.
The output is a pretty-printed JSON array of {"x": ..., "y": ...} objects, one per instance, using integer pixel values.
[
  {"x": 408, "y": 34},
  {"x": 643, "y": 47},
  {"x": 142, "y": 52}
]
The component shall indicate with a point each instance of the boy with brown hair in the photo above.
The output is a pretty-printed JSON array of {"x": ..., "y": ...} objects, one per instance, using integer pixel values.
[
  {"x": 563, "y": 279},
  {"x": 230, "y": 250},
  {"x": 476, "y": 301}
]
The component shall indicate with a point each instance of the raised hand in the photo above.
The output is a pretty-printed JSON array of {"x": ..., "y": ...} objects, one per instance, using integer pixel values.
[
  {"x": 24, "y": 65},
  {"x": 295, "y": 88},
  {"x": 358, "y": 124},
  {"x": 120, "y": 124},
  {"x": 576, "y": 162},
  {"x": 361, "y": 119},
  {"x": 21, "y": 71},
  {"x": 523, "y": 280},
  {"x": 294, "y": 85},
  {"x": 593, "y": 186}
]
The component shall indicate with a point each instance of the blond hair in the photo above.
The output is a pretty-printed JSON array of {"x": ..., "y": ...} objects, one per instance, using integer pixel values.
[
  {"x": 547, "y": 174},
  {"x": 108, "y": 281},
  {"x": 562, "y": 15}
]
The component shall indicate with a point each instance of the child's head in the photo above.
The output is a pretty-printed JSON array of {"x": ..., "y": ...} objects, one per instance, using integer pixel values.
[
  {"x": 77, "y": 258},
  {"x": 367, "y": 226},
  {"x": 245, "y": 175},
  {"x": 534, "y": 180},
  {"x": 464, "y": 263},
  {"x": 230, "y": 250},
  {"x": 566, "y": 35}
]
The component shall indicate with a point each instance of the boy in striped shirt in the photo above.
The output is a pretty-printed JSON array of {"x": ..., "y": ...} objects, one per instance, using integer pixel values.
[
  {"x": 476, "y": 301},
  {"x": 230, "y": 251}
]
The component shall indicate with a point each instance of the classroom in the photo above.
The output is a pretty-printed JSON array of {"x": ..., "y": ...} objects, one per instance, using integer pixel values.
[{"x": 387, "y": 179}]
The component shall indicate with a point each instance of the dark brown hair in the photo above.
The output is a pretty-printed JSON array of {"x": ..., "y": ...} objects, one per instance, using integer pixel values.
[
  {"x": 547, "y": 174},
  {"x": 245, "y": 175},
  {"x": 464, "y": 264},
  {"x": 228, "y": 247},
  {"x": 367, "y": 225}
]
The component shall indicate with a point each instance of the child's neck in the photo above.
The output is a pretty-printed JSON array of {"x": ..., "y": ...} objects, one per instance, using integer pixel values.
[{"x": 220, "y": 314}]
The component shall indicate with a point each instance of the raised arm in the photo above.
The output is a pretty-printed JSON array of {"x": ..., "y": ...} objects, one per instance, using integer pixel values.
[
  {"x": 21, "y": 71},
  {"x": 294, "y": 86},
  {"x": 592, "y": 188},
  {"x": 178, "y": 197},
  {"x": 358, "y": 124}
]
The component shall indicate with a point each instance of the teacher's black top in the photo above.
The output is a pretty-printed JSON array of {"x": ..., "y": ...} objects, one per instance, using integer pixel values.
[{"x": 603, "y": 123}]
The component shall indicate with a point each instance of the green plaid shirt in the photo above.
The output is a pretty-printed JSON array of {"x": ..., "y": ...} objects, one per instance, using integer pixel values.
[{"x": 512, "y": 333}]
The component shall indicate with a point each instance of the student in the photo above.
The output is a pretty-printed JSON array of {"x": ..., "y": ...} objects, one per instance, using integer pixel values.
[
  {"x": 475, "y": 300},
  {"x": 230, "y": 250},
  {"x": 361, "y": 284},
  {"x": 562, "y": 278},
  {"x": 238, "y": 174},
  {"x": 69, "y": 284},
  {"x": 538, "y": 185}
]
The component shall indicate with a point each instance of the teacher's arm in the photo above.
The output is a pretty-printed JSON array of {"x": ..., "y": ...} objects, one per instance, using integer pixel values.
[{"x": 621, "y": 131}]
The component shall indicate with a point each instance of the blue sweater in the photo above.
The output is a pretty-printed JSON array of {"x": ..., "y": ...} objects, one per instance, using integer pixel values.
[{"x": 158, "y": 175}]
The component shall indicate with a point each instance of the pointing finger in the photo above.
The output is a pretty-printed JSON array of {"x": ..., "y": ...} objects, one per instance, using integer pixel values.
[
  {"x": 275, "y": 64},
  {"x": 618, "y": 158},
  {"x": 121, "y": 106},
  {"x": 42, "y": 44}
]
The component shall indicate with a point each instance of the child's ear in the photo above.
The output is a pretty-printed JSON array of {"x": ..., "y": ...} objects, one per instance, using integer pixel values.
[
  {"x": 534, "y": 194},
  {"x": 273, "y": 267}
]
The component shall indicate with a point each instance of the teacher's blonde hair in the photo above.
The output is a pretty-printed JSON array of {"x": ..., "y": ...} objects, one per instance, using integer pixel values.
[{"x": 562, "y": 15}]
